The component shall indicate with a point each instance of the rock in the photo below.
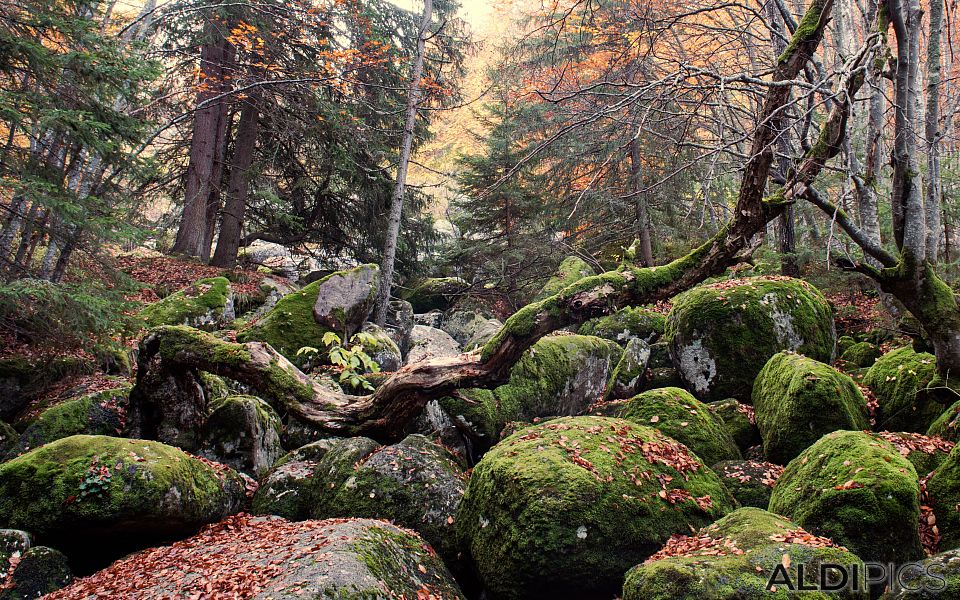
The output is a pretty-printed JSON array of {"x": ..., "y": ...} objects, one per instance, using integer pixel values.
[
  {"x": 428, "y": 342},
  {"x": 242, "y": 432},
  {"x": 684, "y": 418},
  {"x": 751, "y": 482},
  {"x": 274, "y": 257},
  {"x": 627, "y": 324},
  {"x": 207, "y": 304},
  {"x": 100, "y": 413},
  {"x": 943, "y": 488},
  {"x": 660, "y": 356},
  {"x": 345, "y": 299},
  {"x": 722, "y": 334},
  {"x": 40, "y": 571},
  {"x": 21, "y": 379},
  {"x": 560, "y": 375},
  {"x": 861, "y": 354},
  {"x": 734, "y": 558},
  {"x": 13, "y": 543},
  {"x": 630, "y": 374},
  {"x": 470, "y": 329},
  {"x": 85, "y": 492},
  {"x": 434, "y": 293},
  {"x": 904, "y": 383},
  {"x": 400, "y": 324},
  {"x": 414, "y": 483},
  {"x": 571, "y": 270},
  {"x": 382, "y": 349},
  {"x": 290, "y": 489},
  {"x": 664, "y": 377},
  {"x": 9, "y": 440},
  {"x": 925, "y": 453},
  {"x": 935, "y": 577},
  {"x": 268, "y": 557},
  {"x": 844, "y": 342},
  {"x": 434, "y": 319},
  {"x": 858, "y": 491},
  {"x": 739, "y": 422},
  {"x": 564, "y": 508},
  {"x": 797, "y": 400},
  {"x": 947, "y": 425}
]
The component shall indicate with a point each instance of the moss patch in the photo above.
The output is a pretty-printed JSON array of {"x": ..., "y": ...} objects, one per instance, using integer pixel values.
[
  {"x": 908, "y": 390},
  {"x": 571, "y": 270},
  {"x": 626, "y": 324},
  {"x": 436, "y": 293},
  {"x": 206, "y": 303},
  {"x": 738, "y": 420}
]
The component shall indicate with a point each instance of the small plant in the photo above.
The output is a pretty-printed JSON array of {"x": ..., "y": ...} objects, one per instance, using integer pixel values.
[
  {"x": 351, "y": 360},
  {"x": 96, "y": 480}
]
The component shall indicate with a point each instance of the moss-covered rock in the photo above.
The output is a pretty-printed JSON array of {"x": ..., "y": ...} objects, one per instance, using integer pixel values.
[
  {"x": 629, "y": 377},
  {"x": 381, "y": 348},
  {"x": 242, "y": 432},
  {"x": 926, "y": 453},
  {"x": 429, "y": 342},
  {"x": 13, "y": 543},
  {"x": 734, "y": 558},
  {"x": 935, "y": 577},
  {"x": 559, "y": 375},
  {"x": 207, "y": 304},
  {"x": 435, "y": 293},
  {"x": 844, "y": 342},
  {"x": 943, "y": 489},
  {"x": 100, "y": 413},
  {"x": 564, "y": 508},
  {"x": 8, "y": 439},
  {"x": 41, "y": 570},
  {"x": 739, "y": 421},
  {"x": 947, "y": 425},
  {"x": 571, "y": 270},
  {"x": 857, "y": 490},
  {"x": 797, "y": 400},
  {"x": 346, "y": 298},
  {"x": 908, "y": 390},
  {"x": 751, "y": 482},
  {"x": 414, "y": 483},
  {"x": 679, "y": 415},
  {"x": 722, "y": 334},
  {"x": 342, "y": 559},
  {"x": 627, "y": 324},
  {"x": 861, "y": 354},
  {"x": 290, "y": 489},
  {"x": 84, "y": 490}
]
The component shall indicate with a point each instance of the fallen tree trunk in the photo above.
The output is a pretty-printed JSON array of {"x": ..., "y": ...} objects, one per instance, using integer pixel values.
[{"x": 384, "y": 414}]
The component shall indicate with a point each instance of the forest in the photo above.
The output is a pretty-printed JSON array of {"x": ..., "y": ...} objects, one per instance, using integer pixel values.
[{"x": 467, "y": 300}]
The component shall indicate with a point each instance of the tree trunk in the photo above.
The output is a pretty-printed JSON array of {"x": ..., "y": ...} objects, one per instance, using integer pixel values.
[
  {"x": 396, "y": 200},
  {"x": 934, "y": 188},
  {"x": 231, "y": 223},
  {"x": 640, "y": 202}
]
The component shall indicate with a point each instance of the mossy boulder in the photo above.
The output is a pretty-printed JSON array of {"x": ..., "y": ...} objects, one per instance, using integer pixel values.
[
  {"x": 40, "y": 571},
  {"x": 414, "y": 483},
  {"x": 797, "y": 400},
  {"x": 381, "y": 348},
  {"x": 739, "y": 421},
  {"x": 679, "y": 415},
  {"x": 81, "y": 491},
  {"x": 429, "y": 342},
  {"x": 947, "y": 425},
  {"x": 943, "y": 489},
  {"x": 560, "y": 375},
  {"x": 207, "y": 304},
  {"x": 844, "y": 342},
  {"x": 9, "y": 439},
  {"x": 571, "y": 270},
  {"x": 100, "y": 413},
  {"x": 629, "y": 377},
  {"x": 861, "y": 355},
  {"x": 721, "y": 335},
  {"x": 435, "y": 293},
  {"x": 858, "y": 491},
  {"x": 935, "y": 577},
  {"x": 734, "y": 558},
  {"x": 751, "y": 482},
  {"x": 909, "y": 392},
  {"x": 346, "y": 298},
  {"x": 564, "y": 508},
  {"x": 290, "y": 489},
  {"x": 632, "y": 322},
  {"x": 926, "y": 453},
  {"x": 242, "y": 432},
  {"x": 336, "y": 559}
]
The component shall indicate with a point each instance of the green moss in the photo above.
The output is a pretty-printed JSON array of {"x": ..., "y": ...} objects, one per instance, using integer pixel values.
[
  {"x": 625, "y": 324},
  {"x": 844, "y": 342},
  {"x": 684, "y": 418},
  {"x": 797, "y": 400},
  {"x": 565, "y": 507},
  {"x": 738, "y": 422},
  {"x": 722, "y": 334},
  {"x": 147, "y": 487},
  {"x": 571, "y": 269},
  {"x": 947, "y": 425},
  {"x": 434, "y": 293},
  {"x": 907, "y": 388},
  {"x": 751, "y": 482},
  {"x": 861, "y": 354},
  {"x": 201, "y": 304},
  {"x": 857, "y": 490},
  {"x": 697, "y": 574},
  {"x": 242, "y": 432},
  {"x": 936, "y": 577},
  {"x": 943, "y": 488}
]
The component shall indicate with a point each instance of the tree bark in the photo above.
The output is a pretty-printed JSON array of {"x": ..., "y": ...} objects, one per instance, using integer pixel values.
[
  {"x": 640, "y": 202},
  {"x": 396, "y": 200},
  {"x": 934, "y": 187}
]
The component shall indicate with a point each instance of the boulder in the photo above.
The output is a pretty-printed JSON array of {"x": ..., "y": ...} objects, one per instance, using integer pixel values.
[
  {"x": 751, "y": 482},
  {"x": 562, "y": 509},
  {"x": 904, "y": 383},
  {"x": 470, "y": 329},
  {"x": 630, "y": 375},
  {"x": 571, "y": 270},
  {"x": 943, "y": 489},
  {"x": 38, "y": 571},
  {"x": 290, "y": 489},
  {"x": 400, "y": 324},
  {"x": 858, "y": 491},
  {"x": 268, "y": 557},
  {"x": 734, "y": 558},
  {"x": 947, "y": 425},
  {"x": 414, "y": 483},
  {"x": 722, "y": 334},
  {"x": 100, "y": 413},
  {"x": 207, "y": 304},
  {"x": 436, "y": 293},
  {"x": 85, "y": 492},
  {"x": 560, "y": 375},
  {"x": 382, "y": 349},
  {"x": 242, "y": 432},
  {"x": 861, "y": 354},
  {"x": 684, "y": 418},
  {"x": 272, "y": 257},
  {"x": 797, "y": 400},
  {"x": 935, "y": 577},
  {"x": 629, "y": 323},
  {"x": 739, "y": 421},
  {"x": 9, "y": 440},
  {"x": 429, "y": 342},
  {"x": 925, "y": 453},
  {"x": 345, "y": 299}
]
